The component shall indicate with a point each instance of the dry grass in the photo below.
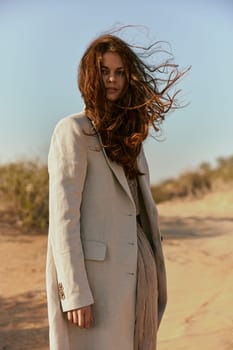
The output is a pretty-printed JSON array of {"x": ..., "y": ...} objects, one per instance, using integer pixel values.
[
  {"x": 24, "y": 189},
  {"x": 196, "y": 183}
]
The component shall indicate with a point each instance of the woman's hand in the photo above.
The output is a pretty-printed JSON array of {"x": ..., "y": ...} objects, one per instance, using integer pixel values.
[{"x": 81, "y": 317}]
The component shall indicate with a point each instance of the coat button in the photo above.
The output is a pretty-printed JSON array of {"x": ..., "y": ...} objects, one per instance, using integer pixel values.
[
  {"x": 61, "y": 291},
  {"x": 131, "y": 273},
  {"x": 131, "y": 243}
]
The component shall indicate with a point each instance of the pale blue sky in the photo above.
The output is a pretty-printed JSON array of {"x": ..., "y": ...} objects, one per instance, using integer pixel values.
[{"x": 41, "y": 43}]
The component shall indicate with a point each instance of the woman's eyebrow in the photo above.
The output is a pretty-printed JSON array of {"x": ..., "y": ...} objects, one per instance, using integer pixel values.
[{"x": 118, "y": 68}]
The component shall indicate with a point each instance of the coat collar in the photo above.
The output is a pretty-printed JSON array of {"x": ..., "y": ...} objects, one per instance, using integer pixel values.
[
  {"x": 143, "y": 181},
  {"x": 119, "y": 174},
  {"x": 118, "y": 171}
]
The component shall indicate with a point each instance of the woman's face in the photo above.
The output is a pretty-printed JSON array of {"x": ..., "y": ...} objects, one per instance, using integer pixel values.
[{"x": 113, "y": 75}]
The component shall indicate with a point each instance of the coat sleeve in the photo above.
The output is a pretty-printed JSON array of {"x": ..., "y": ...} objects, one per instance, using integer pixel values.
[{"x": 67, "y": 166}]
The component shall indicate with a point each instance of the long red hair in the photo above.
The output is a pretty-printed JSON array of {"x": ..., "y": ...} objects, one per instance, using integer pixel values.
[{"x": 123, "y": 125}]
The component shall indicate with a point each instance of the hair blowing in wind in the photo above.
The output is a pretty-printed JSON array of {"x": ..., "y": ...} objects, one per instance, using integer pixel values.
[{"x": 145, "y": 100}]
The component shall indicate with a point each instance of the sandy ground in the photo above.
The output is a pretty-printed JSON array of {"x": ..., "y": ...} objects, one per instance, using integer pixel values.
[
  {"x": 198, "y": 246},
  {"x": 199, "y": 255}
]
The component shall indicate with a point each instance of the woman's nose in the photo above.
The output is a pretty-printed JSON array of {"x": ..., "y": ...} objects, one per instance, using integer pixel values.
[{"x": 111, "y": 78}]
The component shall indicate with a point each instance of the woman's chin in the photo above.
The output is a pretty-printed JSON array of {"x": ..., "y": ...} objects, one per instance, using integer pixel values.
[{"x": 112, "y": 97}]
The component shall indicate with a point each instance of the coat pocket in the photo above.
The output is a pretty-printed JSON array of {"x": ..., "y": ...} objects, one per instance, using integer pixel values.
[{"x": 94, "y": 250}]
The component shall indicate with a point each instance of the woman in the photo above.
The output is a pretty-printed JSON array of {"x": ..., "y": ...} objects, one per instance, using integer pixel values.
[{"x": 106, "y": 280}]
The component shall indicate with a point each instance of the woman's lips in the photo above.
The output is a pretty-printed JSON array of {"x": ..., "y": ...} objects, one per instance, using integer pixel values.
[{"x": 112, "y": 90}]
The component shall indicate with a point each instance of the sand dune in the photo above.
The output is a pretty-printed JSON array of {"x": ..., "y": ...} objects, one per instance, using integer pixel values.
[{"x": 198, "y": 245}]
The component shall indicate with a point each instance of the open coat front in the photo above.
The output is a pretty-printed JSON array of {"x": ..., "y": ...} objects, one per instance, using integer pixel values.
[{"x": 92, "y": 243}]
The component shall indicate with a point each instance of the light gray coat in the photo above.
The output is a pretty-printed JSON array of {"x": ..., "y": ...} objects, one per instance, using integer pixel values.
[{"x": 92, "y": 242}]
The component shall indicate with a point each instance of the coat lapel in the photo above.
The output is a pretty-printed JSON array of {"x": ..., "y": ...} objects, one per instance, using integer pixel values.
[
  {"x": 117, "y": 170},
  {"x": 119, "y": 174},
  {"x": 143, "y": 180}
]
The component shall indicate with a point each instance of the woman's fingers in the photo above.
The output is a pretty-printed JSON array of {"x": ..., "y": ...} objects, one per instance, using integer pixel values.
[
  {"x": 88, "y": 318},
  {"x": 75, "y": 317},
  {"x": 70, "y": 316},
  {"x": 82, "y": 317}
]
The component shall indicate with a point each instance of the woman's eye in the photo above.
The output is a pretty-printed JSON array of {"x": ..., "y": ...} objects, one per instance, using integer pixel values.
[
  {"x": 120, "y": 73},
  {"x": 104, "y": 72}
]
